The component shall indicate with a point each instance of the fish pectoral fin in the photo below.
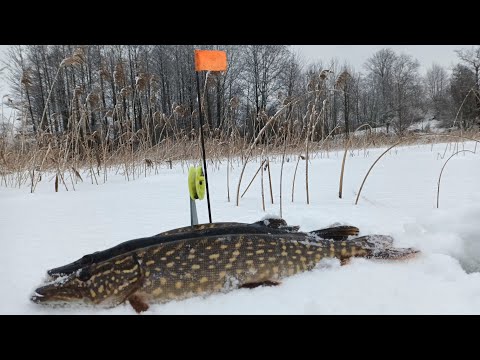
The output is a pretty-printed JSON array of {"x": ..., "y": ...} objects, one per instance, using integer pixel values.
[
  {"x": 138, "y": 304},
  {"x": 135, "y": 280},
  {"x": 253, "y": 285},
  {"x": 345, "y": 261}
]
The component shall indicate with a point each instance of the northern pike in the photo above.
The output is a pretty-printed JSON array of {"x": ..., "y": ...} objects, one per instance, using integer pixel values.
[
  {"x": 200, "y": 266},
  {"x": 268, "y": 226}
]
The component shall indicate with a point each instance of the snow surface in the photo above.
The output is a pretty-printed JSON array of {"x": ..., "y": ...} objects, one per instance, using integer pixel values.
[
  {"x": 422, "y": 126},
  {"x": 47, "y": 229},
  {"x": 432, "y": 126}
]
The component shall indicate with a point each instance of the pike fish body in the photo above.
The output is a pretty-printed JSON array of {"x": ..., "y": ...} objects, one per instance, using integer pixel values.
[
  {"x": 194, "y": 267},
  {"x": 270, "y": 226}
]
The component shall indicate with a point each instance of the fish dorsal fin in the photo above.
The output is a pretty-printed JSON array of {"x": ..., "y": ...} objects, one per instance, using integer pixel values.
[
  {"x": 338, "y": 233},
  {"x": 276, "y": 223}
]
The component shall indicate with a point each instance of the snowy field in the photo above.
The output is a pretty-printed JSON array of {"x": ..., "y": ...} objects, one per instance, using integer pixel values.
[{"x": 47, "y": 229}]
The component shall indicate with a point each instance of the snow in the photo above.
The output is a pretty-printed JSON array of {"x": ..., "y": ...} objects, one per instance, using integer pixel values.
[
  {"x": 427, "y": 125},
  {"x": 46, "y": 229}
]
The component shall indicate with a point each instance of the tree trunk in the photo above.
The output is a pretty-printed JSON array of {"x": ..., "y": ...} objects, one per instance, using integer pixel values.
[{"x": 31, "y": 111}]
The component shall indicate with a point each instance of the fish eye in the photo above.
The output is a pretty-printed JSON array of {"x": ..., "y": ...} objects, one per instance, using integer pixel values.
[{"x": 84, "y": 274}]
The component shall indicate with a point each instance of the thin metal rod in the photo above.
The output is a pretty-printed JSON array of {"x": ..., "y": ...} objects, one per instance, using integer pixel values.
[
  {"x": 193, "y": 213},
  {"x": 203, "y": 146}
]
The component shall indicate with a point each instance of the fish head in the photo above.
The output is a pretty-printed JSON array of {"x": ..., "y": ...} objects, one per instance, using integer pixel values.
[
  {"x": 63, "y": 290},
  {"x": 107, "y": 283}
]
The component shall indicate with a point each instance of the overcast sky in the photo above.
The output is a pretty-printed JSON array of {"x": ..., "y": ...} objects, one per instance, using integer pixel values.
[{"x": 357, "y": 54}]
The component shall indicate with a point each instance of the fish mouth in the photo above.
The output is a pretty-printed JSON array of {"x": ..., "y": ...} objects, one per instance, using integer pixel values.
[
  {"x": 43, "y": 295},
  {"x": 59, "y": 298},
  {"x": 37, "y": 298},
  {"x": 56, "y": 291}
]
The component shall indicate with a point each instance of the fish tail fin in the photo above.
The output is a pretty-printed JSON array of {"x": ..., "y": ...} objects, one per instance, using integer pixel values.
[{"x": 381, "y": 247}]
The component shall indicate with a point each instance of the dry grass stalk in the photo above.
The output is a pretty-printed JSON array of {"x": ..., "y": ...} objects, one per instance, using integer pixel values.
[
  {"x": 347, "y": 146},
  {"x": 270, "y": 180},
  {"x": 295, "y": 174},
  {"x": 287, "y": 136},
  {"x": 261, "y": 184},
  {"x": 254, "y": 176},
  {"x": 443, "y": 167}
]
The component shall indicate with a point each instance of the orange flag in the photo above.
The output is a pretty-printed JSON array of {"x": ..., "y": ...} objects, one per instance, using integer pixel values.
[{"x": 212, "y": 60}]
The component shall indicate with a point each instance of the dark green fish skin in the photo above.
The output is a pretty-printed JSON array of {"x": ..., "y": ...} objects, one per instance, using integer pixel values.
[
  {"x": 196, "y": 231},
  {"x": 270, "y": 226}
]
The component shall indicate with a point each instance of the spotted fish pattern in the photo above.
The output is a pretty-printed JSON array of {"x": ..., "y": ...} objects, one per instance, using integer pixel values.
[
  {"x": 268, "y": 226},
  {"x": 197, "y": 267}
]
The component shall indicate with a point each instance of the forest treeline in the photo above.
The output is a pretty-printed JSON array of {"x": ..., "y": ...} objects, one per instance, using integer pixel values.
[{"x": 114, "y": 90}]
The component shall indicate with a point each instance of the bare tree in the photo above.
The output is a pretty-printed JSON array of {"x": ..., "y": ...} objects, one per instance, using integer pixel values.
[
  {"x": 436, "y": 86},
  {"x": 406, "y": 91},
  {"x": 380, "y": 67},
  {"x": 263, "y": 66},
  {"x": 471, "y": 57},
  {"x": 464, "y": 104}
]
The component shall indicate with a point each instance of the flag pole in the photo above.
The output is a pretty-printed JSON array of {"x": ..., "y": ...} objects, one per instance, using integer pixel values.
[{"x": 203, "y": 146}]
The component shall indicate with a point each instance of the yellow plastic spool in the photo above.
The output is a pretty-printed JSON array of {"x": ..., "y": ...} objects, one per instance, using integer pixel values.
[
  {"x": 200, "y": 183},
  {"x": 196, "y": 183}
]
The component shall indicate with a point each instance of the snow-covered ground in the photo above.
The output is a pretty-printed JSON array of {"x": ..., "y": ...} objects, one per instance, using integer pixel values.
[
  {"x": 47, "y": 229},
  {"x": 425, "y": 125}
]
